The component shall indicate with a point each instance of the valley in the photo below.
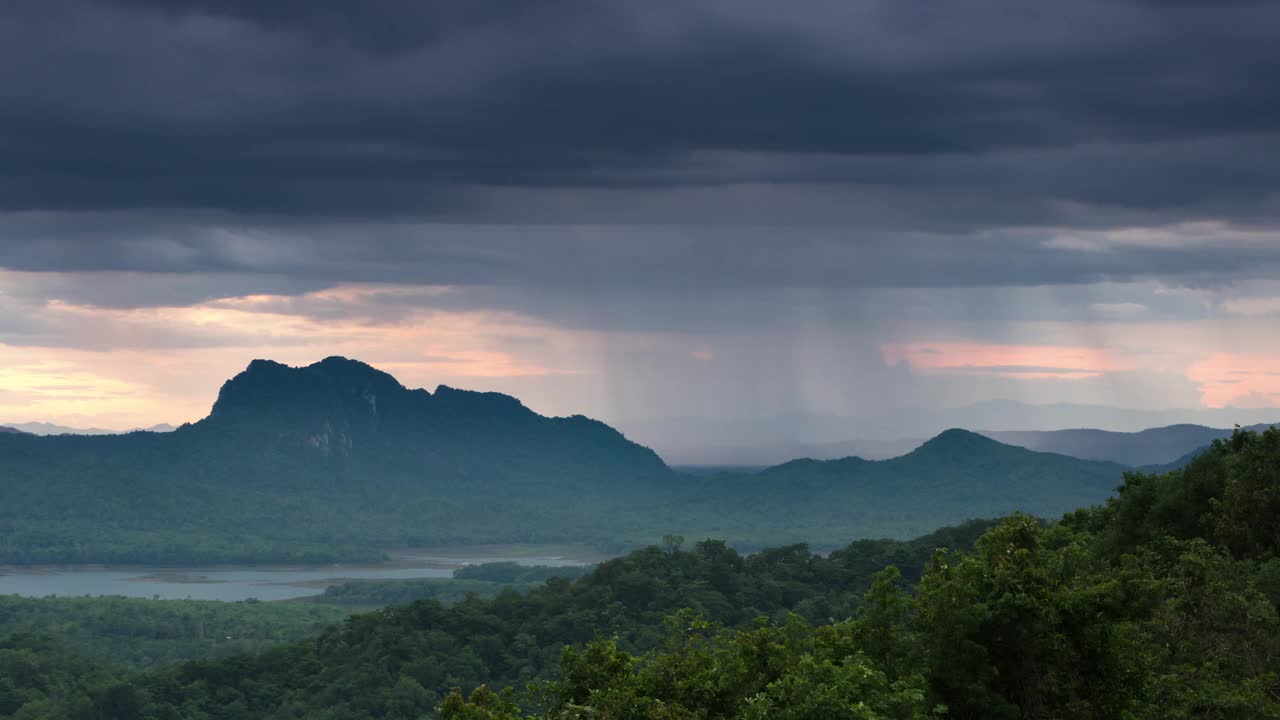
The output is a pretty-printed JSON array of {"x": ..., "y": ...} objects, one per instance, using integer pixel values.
[{"x": 328, "y": 543}]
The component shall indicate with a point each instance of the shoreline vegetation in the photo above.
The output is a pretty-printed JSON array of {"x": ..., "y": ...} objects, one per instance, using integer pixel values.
[
  {"x": 444, "y": 557},
  {"x": 141, "y": 632}
]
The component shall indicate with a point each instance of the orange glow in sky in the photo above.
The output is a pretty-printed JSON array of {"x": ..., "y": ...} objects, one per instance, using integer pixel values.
[
  {"x": 1238, "y": 380},
  {"x": 86, "y": 365},
  {"x": 1015, "y": 361}
]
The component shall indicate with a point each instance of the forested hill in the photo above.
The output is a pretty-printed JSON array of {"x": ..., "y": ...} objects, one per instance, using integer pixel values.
[
  {"x": 960, "y": 458},
  {"x": 316, "y": 463},
  {"x": 340, "y": 425},
  {"x": 966, "y": 474},
  {"x": 370, "y": 432},
  {"x": 399, "y": 663},
  {"x": 1161, "y": 446}
]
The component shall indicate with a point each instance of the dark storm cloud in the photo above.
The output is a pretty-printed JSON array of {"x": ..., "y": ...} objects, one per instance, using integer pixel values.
[
  {"x": 380, "y": 25},
  {"x": 585, "y": 275},
  {"x": 469, "y": 110}
]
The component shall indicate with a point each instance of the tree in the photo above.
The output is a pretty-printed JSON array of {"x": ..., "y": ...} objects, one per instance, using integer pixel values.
[
  {"x": 484, "y": 704},
  {"x": 671, "y": 543}
]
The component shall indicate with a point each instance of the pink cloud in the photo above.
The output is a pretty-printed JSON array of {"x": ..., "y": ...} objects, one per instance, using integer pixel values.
[
  {"x": 1015, "y": 361},
  {"x": 145, "y": 365},
  {"x": 1239, "y": 380}
]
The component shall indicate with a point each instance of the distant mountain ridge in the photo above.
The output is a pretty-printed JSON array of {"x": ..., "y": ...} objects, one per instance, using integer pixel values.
[
  {"x": 44, "y": 428},
  {"x": 337, "y": 460},
  {"x": 1153, "y": 446},
  {"x": 773, "y": 439},
  {"x": 969, "y": 472},
  {"x": 734, "y": 440}
]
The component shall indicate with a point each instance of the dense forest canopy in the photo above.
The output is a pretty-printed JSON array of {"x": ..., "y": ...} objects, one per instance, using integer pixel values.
[
  {"x": 1160, "y": 603},
  {"x": 142, "y": 633}
]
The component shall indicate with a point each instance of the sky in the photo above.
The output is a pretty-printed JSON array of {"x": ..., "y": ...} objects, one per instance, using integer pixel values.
[{"x": 724, "y": 210}]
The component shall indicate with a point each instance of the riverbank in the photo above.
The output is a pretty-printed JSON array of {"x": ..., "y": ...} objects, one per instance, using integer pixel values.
[{"x": 280, "y": 582}]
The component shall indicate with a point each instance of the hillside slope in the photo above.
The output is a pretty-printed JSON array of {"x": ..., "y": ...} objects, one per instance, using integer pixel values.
[
  {"x": 954, "y": 476},
  {"x": 315, "y": 463},
  {"x": 1153, "y": 446}
]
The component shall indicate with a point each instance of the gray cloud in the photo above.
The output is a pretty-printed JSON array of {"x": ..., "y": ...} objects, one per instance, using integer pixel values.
[
  {"x": 456, "y": 110},
  {"x": 144, "y": 260},
  {"x": 739, "y": 202}
]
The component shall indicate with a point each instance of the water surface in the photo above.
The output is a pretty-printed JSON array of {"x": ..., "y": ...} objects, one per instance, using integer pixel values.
[{"x": 264, "y": 583}]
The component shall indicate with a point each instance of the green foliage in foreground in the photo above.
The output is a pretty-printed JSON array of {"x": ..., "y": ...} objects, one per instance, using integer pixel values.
[
  {"x": 141, "y": 633},
  {"x": 1014, "y": 630},
  {"x": 767, "y": 672},
  {"x": 1074, "y": 621},
  {"x": 39, "y": 679},
  {"x": 1158, "y": 605}
]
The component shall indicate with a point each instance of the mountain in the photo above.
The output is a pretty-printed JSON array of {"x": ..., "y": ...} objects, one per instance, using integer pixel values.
[
  {"x": 15, "y": 431},
  {"x": 1154, "y": 446},
  {"x": 364, "y": 429},
  {"x": 340, "y": 425},
  {"x": 44, "y": 428},
  {"x": 54, "y": 429},
  {"x": 339, "y": 461},
  {"x": 1058, "y": 416},
  {"x": 1162, "y": 448},
  {"x": 772, "y": 439},
  {"x": 328, "y": 461},
  {"x": 1181, "y": 462},
  {"x": 968, "y": 474}
]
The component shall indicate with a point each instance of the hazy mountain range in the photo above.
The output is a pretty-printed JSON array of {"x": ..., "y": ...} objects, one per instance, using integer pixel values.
[
  {"x": 337, "y": 460},
  {"x": 1127, "y": 436},
  {"x": 1154, "y": 446},
  {"x": 44, "y": 428},
  {"x": 957, "y": 468},
  {"x": 770, "y": 440},
  {"x": 1162, "y": 446}
]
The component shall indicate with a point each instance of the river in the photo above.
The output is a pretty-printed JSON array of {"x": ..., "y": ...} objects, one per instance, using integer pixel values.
[{"x": 268, "y": 583}]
